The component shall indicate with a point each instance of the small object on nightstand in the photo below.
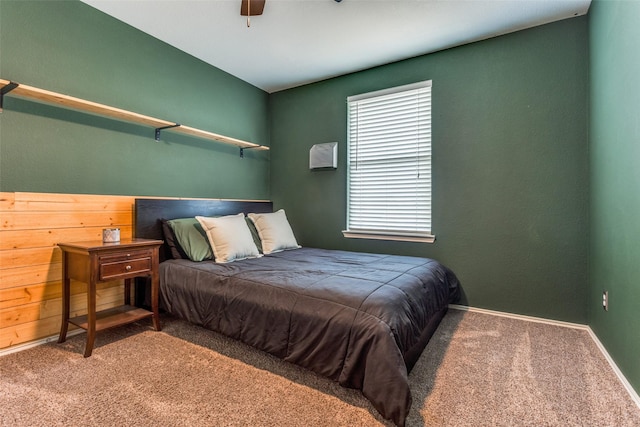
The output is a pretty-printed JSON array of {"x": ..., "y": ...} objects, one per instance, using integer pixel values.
[
  {"x": 97, "y": 262},
  {"x": 110, "y": 235}
]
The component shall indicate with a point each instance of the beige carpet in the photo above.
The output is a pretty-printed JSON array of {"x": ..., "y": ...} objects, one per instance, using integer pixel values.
[{"x": 478, "y": 370}]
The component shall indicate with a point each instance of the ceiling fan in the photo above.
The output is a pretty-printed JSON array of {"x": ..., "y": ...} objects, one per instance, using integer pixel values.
[{"x": 251, "y": 8}]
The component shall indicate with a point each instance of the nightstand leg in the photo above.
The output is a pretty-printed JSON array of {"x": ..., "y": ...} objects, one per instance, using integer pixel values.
[
  {"x": 154, "y": 300},
  {"x": 91, "y": 317},
  {"x": 66, "y": 290}
]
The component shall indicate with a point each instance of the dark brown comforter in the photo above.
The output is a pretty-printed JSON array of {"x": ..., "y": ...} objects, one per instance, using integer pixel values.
[{"x": 359, "y": 319}]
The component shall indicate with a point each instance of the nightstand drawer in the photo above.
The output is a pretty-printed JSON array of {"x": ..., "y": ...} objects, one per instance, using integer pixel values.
[
  {"x": 113, "y": 269},
  {"x": 124, "y": 256}
]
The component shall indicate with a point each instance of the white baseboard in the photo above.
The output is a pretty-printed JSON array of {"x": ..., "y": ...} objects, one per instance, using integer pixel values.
[
  {"x": 21, "y": 347},
  {"x": 625, "y": 383},
  {"x": 520, "y": 316},
  {"x": 621, "y": 377}
]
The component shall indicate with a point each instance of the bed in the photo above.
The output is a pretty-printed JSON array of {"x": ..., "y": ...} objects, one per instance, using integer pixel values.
[{"x": 360, "y": 319}]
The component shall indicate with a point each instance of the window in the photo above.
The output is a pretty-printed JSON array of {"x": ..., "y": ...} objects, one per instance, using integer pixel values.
[{"x": 389, "y": 164}]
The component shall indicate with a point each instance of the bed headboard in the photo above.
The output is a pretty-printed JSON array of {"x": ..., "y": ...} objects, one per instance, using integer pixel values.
[{"x": 150, "y": 212}]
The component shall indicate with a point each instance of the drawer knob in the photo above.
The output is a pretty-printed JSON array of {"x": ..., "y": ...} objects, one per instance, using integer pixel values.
[{"x": 128, "y": 267}]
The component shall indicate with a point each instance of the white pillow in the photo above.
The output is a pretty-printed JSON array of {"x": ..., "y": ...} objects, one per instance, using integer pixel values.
[
  {"x": 274, "y": 231},
  {"x": 229, "y": 237}
]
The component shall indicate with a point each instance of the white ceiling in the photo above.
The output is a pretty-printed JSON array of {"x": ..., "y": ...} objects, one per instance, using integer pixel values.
[{"x": 301, "y": 41}]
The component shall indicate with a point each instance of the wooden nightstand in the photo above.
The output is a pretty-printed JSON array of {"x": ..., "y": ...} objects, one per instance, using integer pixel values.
[{"x": 96, "y": 262}]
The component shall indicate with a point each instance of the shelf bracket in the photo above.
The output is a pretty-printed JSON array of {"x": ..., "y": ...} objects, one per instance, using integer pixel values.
[
  {"x": 8, "y": 88},
  {"x": 162, "y": 128},
  {"x": 245, "y": 148}
]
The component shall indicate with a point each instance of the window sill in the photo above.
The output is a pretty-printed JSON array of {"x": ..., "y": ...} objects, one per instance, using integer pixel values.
[{"x": 386, "y": 236}]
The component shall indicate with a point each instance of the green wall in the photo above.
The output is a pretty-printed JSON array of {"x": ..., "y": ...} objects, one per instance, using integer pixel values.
[
  {"x": 615, "y": 181},
  {"x": 532, "y": 218},
  {"x": 510, "y": 166},
  {"x": 71, "y": 48}
]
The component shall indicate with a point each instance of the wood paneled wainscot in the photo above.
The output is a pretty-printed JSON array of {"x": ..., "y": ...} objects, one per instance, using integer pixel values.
[{"x": 31, "y": 224}]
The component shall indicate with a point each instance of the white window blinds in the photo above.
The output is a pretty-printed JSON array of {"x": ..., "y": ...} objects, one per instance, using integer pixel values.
[{"x": 389, "y": 164}]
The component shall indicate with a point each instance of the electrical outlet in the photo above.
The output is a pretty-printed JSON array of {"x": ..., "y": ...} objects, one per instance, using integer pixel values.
[{"x": 605, "y": 300}]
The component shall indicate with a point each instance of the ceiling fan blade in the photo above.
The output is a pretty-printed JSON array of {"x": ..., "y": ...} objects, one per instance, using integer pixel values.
[{"x": 257, "y": 6}]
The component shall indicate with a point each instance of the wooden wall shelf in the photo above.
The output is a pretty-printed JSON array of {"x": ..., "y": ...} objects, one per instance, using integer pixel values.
[{"x": 65, "y": 101}]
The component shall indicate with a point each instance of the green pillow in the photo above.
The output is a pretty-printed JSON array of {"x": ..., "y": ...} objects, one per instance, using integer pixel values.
[{"x": 191, "y": 238}]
